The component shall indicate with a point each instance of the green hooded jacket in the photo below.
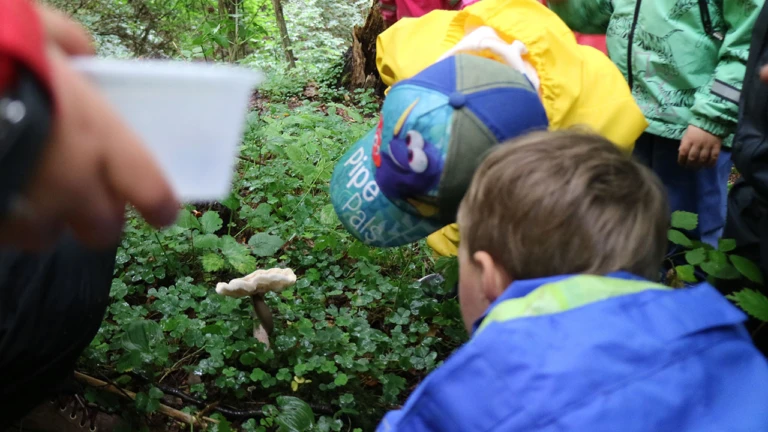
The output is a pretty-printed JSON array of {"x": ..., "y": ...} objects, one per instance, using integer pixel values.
[{"x": 683, "y": 71}]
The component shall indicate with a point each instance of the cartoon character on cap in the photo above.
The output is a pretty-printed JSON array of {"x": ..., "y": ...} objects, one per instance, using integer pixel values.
[
  {"x": 409, "y": 167},
  {"x": 578, "y": 85}
]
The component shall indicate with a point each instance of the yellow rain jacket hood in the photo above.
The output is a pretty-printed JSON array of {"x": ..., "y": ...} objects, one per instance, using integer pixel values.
[{"x": 580, "y": 86}]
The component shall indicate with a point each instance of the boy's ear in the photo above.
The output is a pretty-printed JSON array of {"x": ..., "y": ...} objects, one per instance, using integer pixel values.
[{"x": 494, "y": 280}]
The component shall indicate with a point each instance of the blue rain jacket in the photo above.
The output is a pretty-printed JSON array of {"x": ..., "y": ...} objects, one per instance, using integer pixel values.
[{"x": 611, "y": 353}]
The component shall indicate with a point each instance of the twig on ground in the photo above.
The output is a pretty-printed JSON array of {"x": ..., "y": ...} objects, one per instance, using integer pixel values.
[
  {"x": 163, "y": 409},
  {"x": 176, "y": 366}
]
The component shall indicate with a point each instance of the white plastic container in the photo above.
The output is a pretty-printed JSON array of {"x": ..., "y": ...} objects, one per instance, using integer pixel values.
[{"x": 190, "y": 116}]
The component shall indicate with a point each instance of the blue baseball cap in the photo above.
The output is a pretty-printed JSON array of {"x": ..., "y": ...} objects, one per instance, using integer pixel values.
[{"x": 406, "y": 178}]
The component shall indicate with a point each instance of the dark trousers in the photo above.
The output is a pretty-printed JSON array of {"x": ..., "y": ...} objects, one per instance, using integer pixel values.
[
  {"x": 747, "y": 223},
  {"x": 51, "y": 306},
  {"x": 703, "y": 191}
]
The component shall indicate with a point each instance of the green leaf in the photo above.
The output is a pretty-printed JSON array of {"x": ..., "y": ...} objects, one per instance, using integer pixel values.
[
  {"x": 393, "y": 385},
  {"x": 232, "y": 202},
  {"x": 328, "y": 216},
  {"x": 353, "y": 114},
  {"x": 265, "y": 245},
  {"x": 696, "y": 256},
  {"x": 449, "y": 268},
  {"x": 248, "y": 359},
  {"x": 686, "y": 273},
  {"x": 295, "y": 154},
  {"x": 129, "y": 361},
  {"x": 358, "y": 250},
  {"x": 141, "y": 335},
  {"x": 252, "y": 426},
  {"x": 258, "y": 374},
  {"x": 679, "y": 238},
  {"x": 717, "y": 257},
  {"x": 720, "y": 270},
  {"x": 212, "y": 262},
  {"x": 119, "y": 289},
  {"x": 146, "y": 404},
  {"x": 747, "y": 268},
  {"x": 187, "y": 220},
  {"x": 223, "y": 424},
  {"x": 206, "y": 241},
  {"x": 155, "y": 393},
  {"x": 341, "y": 379},
  {"x": 211, "y": 222},
  {"x": 237, "y": 255},
  {"x": 220, "y": 40},
  {"x": 752, "y": 302},
  {"x": 684, "y": 220},
  {"x": 260, "y": 217},
  {"x": 284, "y": 374},
  {"x": 141, "y": 401},
  {"x": 726, "y": 245},
  {"x": 295, "y": 415}
]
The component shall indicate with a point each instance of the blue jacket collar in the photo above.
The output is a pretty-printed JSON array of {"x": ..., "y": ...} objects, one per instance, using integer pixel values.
[{"x": 522, "y": 288}]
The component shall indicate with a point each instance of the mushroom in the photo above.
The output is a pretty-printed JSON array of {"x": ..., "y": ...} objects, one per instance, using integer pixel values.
[{"x": 256, "y": 285}]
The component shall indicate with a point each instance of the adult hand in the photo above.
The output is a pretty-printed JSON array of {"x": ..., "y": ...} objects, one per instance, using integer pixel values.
[
  {"x": 698, "y": 149},
  {"x": 92, "y": 166}
]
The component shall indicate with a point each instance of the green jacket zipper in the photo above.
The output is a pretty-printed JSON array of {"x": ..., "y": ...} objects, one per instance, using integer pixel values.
[{"x": 630, "y": 77}]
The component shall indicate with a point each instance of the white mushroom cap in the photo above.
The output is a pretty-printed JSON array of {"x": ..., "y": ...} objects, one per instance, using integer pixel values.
[{"x": 258, "y": 282}]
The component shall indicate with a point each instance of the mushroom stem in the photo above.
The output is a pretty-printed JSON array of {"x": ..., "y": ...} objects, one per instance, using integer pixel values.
[{"x": 263, "y": 312}]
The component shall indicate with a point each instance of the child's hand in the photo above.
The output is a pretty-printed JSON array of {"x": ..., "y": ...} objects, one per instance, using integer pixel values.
[
  {"x": 698, "y": 149},
  {"x": 92, "y": 165}
]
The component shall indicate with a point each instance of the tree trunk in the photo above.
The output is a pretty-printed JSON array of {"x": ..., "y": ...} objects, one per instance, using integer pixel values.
[
  {"x": 360, "y": 63},
  {"x": 286, "y": 41},
  {"x": 227, "y": 10}
]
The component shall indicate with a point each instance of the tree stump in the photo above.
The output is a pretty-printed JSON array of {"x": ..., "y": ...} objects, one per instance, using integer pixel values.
[{"x": 360, "y": 70}]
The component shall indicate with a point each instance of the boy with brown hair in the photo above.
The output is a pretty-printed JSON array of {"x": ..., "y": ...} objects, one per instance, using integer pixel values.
[
  {"x": 568, "y": 333},
  {"x": 561, "y": 233}
]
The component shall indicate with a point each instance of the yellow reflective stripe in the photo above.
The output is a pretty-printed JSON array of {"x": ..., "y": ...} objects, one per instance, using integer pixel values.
[{"x": 564, "y": 295}]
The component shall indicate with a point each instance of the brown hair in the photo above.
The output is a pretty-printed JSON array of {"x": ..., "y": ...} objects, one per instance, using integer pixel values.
[{"x": 554, "y": 203}]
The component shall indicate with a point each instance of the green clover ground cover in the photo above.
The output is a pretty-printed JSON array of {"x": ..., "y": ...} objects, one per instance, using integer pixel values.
[{"x": 352, "y": 337}]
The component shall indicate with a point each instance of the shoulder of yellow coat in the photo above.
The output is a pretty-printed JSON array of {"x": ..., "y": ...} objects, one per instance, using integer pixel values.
[
  {"x": 411, "y": 45},
  {"x": 579, "y": 85}
]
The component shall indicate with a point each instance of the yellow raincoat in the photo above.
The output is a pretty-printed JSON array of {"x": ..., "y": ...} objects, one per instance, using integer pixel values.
[{"x": 580, "y": 86}]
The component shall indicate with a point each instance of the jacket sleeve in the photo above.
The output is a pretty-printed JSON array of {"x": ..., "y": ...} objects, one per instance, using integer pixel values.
[
  {"x": 750, "y": 145},
  {"x": 21, "y": 41},
  {"x": 584, "y": 16},
  {"x": 25, "y": 97},
  {"x": 715, "y": 108}
]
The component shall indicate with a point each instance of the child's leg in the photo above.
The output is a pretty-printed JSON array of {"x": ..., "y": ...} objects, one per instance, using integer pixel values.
[
  {"x": 702, "y": 191},
  {"x": 713, "y": 198}
]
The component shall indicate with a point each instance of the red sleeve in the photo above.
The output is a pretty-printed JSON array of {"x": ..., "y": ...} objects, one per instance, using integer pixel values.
[
  {"x": 21, "y": 41},
  {"x": 595, "y": 41},
  {"x": 388, "y": 10}
]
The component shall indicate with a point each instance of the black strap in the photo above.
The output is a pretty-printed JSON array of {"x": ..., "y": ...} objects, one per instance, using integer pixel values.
[
  {"x": 25, "y": 122},
  {"x": 706, "y": 20}
]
